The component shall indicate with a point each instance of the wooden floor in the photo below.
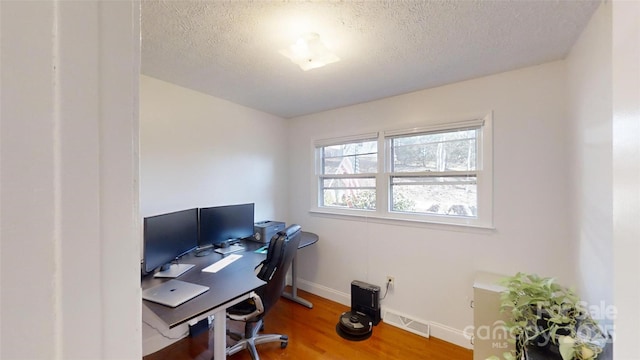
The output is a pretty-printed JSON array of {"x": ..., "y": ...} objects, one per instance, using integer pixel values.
[{"x": 312, "y": 335}]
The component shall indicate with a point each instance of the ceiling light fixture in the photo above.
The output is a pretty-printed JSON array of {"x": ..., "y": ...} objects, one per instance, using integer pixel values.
[{"x": 309, "y": 52}]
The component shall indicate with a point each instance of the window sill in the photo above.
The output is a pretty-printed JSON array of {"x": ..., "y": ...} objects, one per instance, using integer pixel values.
[{"x": 370, "y": 216}]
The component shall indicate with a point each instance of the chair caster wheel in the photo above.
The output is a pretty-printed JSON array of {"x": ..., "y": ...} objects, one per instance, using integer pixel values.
[{"x": 283, "y": 344}]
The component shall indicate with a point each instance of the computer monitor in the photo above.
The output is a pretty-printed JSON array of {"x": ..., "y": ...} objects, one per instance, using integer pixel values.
[
  {"x": 169, "y": 236},
  {"x": 222, "y": 224}
]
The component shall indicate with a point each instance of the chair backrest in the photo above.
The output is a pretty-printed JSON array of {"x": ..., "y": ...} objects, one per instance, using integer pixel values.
[{"x": 282, "y": 249}]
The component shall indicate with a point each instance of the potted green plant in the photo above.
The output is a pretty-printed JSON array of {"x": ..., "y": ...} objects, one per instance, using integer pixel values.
[{"x": 544, "y": 313}]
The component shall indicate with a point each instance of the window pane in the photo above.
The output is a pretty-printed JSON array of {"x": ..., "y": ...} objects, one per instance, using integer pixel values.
[
  {"x": 355, "y": 193},
  {"x": 443, "y": 151},
  {"x": 352, "y": 158},
  {"x": 454, "y": 196}
]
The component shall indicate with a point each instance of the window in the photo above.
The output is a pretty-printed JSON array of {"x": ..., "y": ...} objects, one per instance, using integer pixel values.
[
  {"x": 433, "y": 174},
  {"x": 347, "y": 173}
]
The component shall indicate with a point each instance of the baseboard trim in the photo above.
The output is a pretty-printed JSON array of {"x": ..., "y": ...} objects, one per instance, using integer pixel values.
[
  {"x": 449, "y": 334},
  {"x": 325, "y": 292},
  {"x": 437, "y": 330}
]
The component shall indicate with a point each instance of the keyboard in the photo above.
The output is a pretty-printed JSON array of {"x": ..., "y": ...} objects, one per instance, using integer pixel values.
[{"x": 221, "y": 264}]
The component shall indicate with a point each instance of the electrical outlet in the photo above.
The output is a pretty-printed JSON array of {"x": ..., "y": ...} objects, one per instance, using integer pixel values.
[{"x": 390, "y": 280}]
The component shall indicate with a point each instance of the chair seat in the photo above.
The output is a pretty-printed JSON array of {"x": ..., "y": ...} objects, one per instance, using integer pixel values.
[{"x": 244, "y": 308}]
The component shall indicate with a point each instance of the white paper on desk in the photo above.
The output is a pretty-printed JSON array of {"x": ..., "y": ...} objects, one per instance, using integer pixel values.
[{"x": 221, "y": 264}]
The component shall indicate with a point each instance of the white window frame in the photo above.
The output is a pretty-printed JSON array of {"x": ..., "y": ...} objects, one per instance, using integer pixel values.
[
  {"x": 319, "y": 176},
  {"x": 484, "y": 176}
]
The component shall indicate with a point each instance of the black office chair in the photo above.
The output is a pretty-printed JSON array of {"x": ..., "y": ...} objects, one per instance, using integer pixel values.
[{"x": 273, "y": 270}]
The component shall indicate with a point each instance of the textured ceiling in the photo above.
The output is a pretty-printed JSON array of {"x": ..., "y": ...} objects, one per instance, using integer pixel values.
[{"x": 230, "y": 49}]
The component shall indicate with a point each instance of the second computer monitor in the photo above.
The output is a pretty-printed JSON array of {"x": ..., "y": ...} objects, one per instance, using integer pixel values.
[{"x": 221, "y": 224}]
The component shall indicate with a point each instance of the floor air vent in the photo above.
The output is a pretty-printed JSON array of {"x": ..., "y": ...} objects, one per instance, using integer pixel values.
[{"x": 417, "y": 327}]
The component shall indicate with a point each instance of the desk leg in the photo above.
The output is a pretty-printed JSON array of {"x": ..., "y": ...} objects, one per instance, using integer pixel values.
[
  {"x": 293, "y": 296},
  {"x": 220, "y": 326},
  {"x": 220, "y": 334}
]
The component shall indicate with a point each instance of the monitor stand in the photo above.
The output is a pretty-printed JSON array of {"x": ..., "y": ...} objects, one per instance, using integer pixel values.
[
  {"x": 229, "y": 249},
  {"x": 173, "y": 271}
]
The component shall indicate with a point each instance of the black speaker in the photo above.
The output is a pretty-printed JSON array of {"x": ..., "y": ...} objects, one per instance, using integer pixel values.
[{"x": 365, "y": 298}]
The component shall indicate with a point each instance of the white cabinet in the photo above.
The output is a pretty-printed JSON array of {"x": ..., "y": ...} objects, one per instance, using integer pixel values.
[{"x": 489, "y": 336}]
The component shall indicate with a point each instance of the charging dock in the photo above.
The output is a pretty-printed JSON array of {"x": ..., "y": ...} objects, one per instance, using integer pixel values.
[{"x": 358, "y": 323}]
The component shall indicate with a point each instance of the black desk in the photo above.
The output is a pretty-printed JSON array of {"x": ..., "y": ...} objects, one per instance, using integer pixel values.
[{"x": 229, "y": 286}]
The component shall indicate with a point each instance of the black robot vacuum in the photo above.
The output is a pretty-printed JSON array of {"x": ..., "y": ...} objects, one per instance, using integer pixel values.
[{"x": 355, "y": 326}]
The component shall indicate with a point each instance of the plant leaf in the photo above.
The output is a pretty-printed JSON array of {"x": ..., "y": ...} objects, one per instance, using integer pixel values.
[
  {"x": 586, "y": 352},
  {"x": 565, "y": 345}
]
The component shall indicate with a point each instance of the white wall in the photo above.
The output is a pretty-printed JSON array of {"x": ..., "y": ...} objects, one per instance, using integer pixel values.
[
  {"x": 626, "y": 176},
  {"x": 69, "y": 156},
  {"x": 199, "y": 151},
  {"x": 590, "y": 140},
  {"x": 434, "y": 266},
  {"x": 69, "y": 266}
]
